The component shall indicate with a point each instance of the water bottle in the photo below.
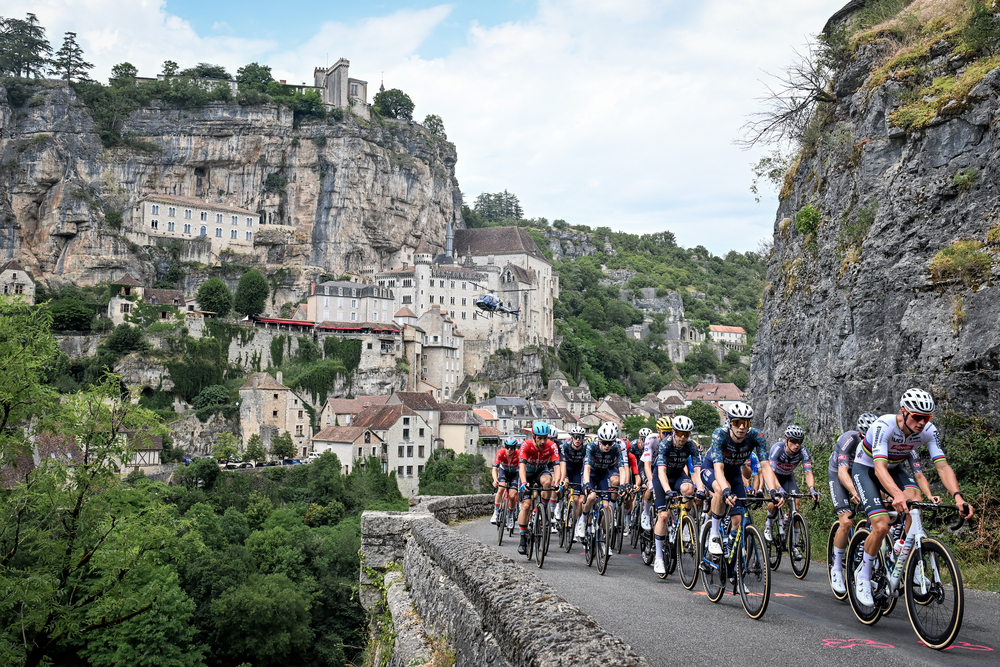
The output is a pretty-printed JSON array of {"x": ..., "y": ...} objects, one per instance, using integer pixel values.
[
  {"x": 672, "y": 533},
  {"x": 904, "y": 551},
  {"x": 897, "y": 547}
]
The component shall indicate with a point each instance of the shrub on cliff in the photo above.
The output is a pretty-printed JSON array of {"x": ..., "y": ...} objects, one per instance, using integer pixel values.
[
  {"x": 965, "y": 260},
  {"x": 251, "y": 294},
  {"x": 214, "y": 296}
]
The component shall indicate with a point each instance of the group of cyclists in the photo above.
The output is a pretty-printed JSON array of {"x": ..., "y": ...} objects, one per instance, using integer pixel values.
[{"x": 874, "y": 468}]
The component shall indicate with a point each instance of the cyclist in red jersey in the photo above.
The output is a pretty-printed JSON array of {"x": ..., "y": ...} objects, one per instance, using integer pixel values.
[
  {"x": 538, "y": 460},
  {"x": 505, "y": 470}
]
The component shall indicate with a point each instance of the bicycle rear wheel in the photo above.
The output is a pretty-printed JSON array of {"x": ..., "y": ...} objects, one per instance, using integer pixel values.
[
  {"x": 619, "y": 517},
  {"x": 829, "y": 558},
  {"x": 540, "y": 531},
  {"x": 532, "y": 518},
  {"x": 603, "y": 546},
  {"x": 753, "y": 576},
  {"x": 935, "y": 598},
  {"x": 647, "y": 547},
  {"x": 502, "y": 522},
  {"x": 569, "y": 525},
  {"x": 687, "y": 552},
  {"x": 773, "y": 548},
  {"x": 590, "y": 541},
  {"x": 546, "y": 520},
  {"x": 798, "y": 545},
  {"x": 636, "y": 518},
  {"x": 713, "y": 568},
  {"x": 869, "y": 615}
]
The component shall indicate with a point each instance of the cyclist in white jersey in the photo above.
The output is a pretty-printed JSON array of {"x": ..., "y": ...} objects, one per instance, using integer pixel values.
[{"x": 890, "y": 440}]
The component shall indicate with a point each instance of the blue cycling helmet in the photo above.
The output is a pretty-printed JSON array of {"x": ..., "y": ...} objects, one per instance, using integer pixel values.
[
  {"x": 540, "y": 428},
  {"x": 511, "y": 441}
]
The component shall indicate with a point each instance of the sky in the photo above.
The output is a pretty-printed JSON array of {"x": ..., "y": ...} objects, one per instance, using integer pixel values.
[{"x": 619, "y": 113}]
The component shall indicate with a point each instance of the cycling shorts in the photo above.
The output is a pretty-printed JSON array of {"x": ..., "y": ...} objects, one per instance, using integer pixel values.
[
  {"x": 841, "y": 498},
  {"x": 675, "y": 481},
  {"x": 733, "y": 476},
  {"x": 601, "y": 479},
  {"x": 659, "y": 495},
  {"x": 508, "y": 477},
  {"x": 870, "y": 489},
  {"x": 788, "y": 483},
  {"x": 574, "y": 474},
  {"x": 534, "y": 479}
]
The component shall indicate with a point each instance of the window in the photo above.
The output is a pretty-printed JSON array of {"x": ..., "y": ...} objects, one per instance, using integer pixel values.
[
  {"x": 204, "y": 216},
  {"x": 406, "y": 434},
  {"x": 187, "y": 227},
  {"x": 249, "y": 222},
  {"x": 300, "y": 414},
  {"x": 218, "y": 217},
  {"x": 376, "y": 317},
  {"x": 126, "y": 308},
  {"x": 407, "y": 282},
  {"x": 156, "y": 209},
  {"x": 369, "y": 346},
  {"x": 172, "y": 212},
  {"x": 298, "y": 429},
  {"x": 453, "y": 284},
  {"x": 463, "y": 300},
  {"x": 420, "y": 450},
  {"x": 474, "y": 316},
  {"x": 373, "y": 451},
  {"x": 420, "y": 469},
  {"x": 154, "y": 224},
  {"x": 400, "y": 452},
  {"x": 463, "y": 314},
  {"x": 218, "y": 232},
  {"x": 354, "y": 303},
  {"x": 274, "y": 414},
  {"x": 235, "y": 219},
  {"x": 232, "y": 233},
  {"x": 409, "y": 471},
  {"x": 400, "y": 472},
  {"x": 275, "y": 397},
  {"x": 463, "y": 285},
  {"x": 368, "y": 438},
  {"x": 170, "y": 225},
  {"x": 187, "y": 213},
  {"x": 409, "y": 451},
  {"x": 204, "y": 231},
  {"x": 354, "y": 292},
  {"x": 354, "y": 89},
  {"x": 440, "y": 283},
  {"x": 421, "y": 432},
  {"x": 354, "y": 317},
  {"x": 361, "y": 452},
  {"x": 453, "y": 301},
  {"x": 249, "y": 236},
  {"x": 406, "y": 421}
]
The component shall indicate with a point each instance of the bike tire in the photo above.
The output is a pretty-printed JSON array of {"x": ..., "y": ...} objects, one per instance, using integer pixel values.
[
  {"x": 530, "y": 550},
  {"x": 687, "y": 553},
  {"x": 603, "y": 546},
  {"x": 502, "y": 523},
  {"x": 713, "y": 568},
  {"x": 619, "y": 521},
  {"x": 647, "y": 547},
  {"x": 589, "y": 543},
  {"x": 636, "y": 524},
  {"x": 538, "y": 536},
  {"x": 853, "y": 557},
  {"x": 829, "y": 559},
  {"x": 569, "y": 525},
  {"x": 546, "y": 532},
  {"x": 945, "y": 579},
  {"x": 773, "y": 551},
  {"x": 800, "y": 566},
  {"x": 753, "y": 576}
]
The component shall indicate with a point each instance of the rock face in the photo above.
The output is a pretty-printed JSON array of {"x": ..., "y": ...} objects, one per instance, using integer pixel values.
[
  {"x": 852, "y": 315},
  {"x": 357, "y": 193}
]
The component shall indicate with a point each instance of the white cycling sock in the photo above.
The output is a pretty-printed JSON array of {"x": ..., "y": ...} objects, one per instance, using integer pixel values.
[
  {"x": 715, "y": 525},
  {"x": 838, "y": 558},
  {"x": 866, "y": 568}
]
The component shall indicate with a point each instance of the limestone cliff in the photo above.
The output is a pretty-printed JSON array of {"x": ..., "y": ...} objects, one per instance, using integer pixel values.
[
  {"x": 354, "y": 194},
  {"x": 905, "y": 166}
]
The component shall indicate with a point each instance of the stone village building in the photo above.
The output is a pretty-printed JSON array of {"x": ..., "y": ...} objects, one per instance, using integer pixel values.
[
  {"x": 219, "y": 226},
  {"x": 351, "y": 444},
  {"x": 129, "y": 293},
  {"x": 407, "y": 442},
  {"x": 15, "y": 281},
  {"x": 341, "y": 411},
  {"x": 268, "y": 408}
]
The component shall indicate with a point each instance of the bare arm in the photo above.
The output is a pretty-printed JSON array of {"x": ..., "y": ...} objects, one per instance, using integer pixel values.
[{"x": 950, "y": 482}]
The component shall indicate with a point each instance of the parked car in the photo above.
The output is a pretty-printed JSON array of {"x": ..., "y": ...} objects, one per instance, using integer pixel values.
[{"x": 291, "y": 462}]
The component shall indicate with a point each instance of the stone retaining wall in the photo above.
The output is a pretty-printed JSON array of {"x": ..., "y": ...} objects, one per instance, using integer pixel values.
[{"x": 489, "y": 610}]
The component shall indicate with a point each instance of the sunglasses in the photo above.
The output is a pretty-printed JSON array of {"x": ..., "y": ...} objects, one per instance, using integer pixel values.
[
  {"x": 741, "y": 423},
  {"x": 578, "y": 437},
  {"x": 794, "y": 441},
  {"x": 919, "y": 418}
]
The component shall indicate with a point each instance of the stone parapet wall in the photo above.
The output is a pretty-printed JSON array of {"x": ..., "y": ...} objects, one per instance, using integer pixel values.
[{"x": 489, "y": 610}]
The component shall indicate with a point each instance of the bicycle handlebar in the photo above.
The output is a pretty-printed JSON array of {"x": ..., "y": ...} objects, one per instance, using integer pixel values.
[{"x": 931, "y": 507}]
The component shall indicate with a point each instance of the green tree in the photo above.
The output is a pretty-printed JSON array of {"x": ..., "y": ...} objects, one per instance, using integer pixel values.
[
  {"x": 207, "y": 71},
  {"x": 255, "y": 449},
  {"x": 169, "y": 68},
  {"x": 254, "y": 76},
  {"x": 705, "y": 417},
  {"x": 593, "y": 314},
  {"x": 282, "y": 446},
  {"x": 215, "y": 394},
  {"x": 634, "y": 423},
  {"x": 495, "y": 207},
  {"x": 214, "y": 296},
  {"x": 394, "y": 103},
  {"x": 435, "y": 125},
  {"x": 125, "y": 339},
  {"x": 251, "y": 294},
  {"x": 71, "y": 315},
  {"x": 225, "y": 448},
  {"x": 69, "y": 63},
  {"x": 24, "y": 50},
  {"x": 571, "y": 354},
  {"x": 27, "y": 349},
  {"x": 449, "y": 475},
  {"x": 123, "y": 74}
]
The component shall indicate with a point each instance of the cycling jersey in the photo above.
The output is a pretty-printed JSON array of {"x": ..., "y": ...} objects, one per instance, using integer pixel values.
[
  {"x": 535, "y": 459},
  {"x": 675, "y": 459},
  {"x": 651, "y": 448},
  {"x": 600, "y": 460},
  {"x": 734, "y": 454},
  {"x": 843, "y": 452},
  {"x": 507, "y": 459},
  {"x": 753, "y": 462},
  {"x": 573, "y": 456},
  {"x": 785, "y": 463},
  {"x": 633, "y": 464},
  {"x": 885, "y": 441}
]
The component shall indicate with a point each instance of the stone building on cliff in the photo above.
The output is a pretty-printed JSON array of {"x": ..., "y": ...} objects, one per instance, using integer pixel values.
[
  {"x": 268, "y": 408},
  {"x": 15, "y": 281}
]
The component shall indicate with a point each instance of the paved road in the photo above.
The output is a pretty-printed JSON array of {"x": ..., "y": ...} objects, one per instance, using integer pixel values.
[{"x": 804, "y": 623}]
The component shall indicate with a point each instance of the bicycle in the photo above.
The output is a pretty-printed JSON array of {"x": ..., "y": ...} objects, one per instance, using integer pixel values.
[
  {"x": 834, "y": 528},
  {"x": 505, "y": 521},
  {"x": 924, "y": 569},
  {"x": 743, "y": 562},
  {"x": 618, "y": 520},
  {"x": 599, "y": 531},
  {"x": 683, "y": 552},
  {"x": 793, "y": 532},
  {"x": 538, "y": 526},
  {"x": 568, "y": 516}
]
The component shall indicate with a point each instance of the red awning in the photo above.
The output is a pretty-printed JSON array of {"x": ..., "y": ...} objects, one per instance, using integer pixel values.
[{"x": 273, "y": 320}]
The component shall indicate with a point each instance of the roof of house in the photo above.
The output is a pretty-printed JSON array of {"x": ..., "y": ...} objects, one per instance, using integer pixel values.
[
  {"x": 127, "y": 279},
  {"x": 677, "y": 385},
  {"x": 405, "y": 312},
  {"x": 382, "y": 417},
  {"x": 417, "y": 400},
  {"x": 169, "y": 297},
  {"x": 355, "y": 326},
  {"x": 490, "y": 432},
  {"x": 495, "y": 241},
  {"x": 12, "y": 265},
  {"x": 715, "y": 391},
  {"x": 459, "y": 417},
  {"x": 621, "y": 406},
  {"x": 604, "y": 416},
  {"x": 262, "y": 381},
  {"x": 339, "y": 434},
  {"x": 352, "y": 406},
  {"x": 672, "y": 400},
  {"x": 485, "y": 415},
  {"x": 724, "y": 329},
  {"x": 197, "y": 203}
]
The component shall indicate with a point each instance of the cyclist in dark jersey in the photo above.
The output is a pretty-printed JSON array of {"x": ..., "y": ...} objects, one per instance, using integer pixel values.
[
  {"x": 505, "y": 467},
  {"x": 605, "y": 466},
  {"x": 677, "y": 460},
  {"x": 571, "y": 456},
  {"x": 785, "y": 456},
  {"x": 722, "y": 467},
  {"x": 843, "y": 494}
]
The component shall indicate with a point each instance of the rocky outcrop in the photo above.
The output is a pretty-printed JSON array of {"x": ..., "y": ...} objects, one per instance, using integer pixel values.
[
  {"x": 852, "y": 314},
  {"x": 355, "y": 194},
  {"x": 514, "y": 372}
]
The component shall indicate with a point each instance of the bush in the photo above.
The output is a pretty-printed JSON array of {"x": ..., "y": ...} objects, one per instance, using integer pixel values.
[
  {"x": 251, "y": 294},
  {"x": 114, "y": 219},
  {"x": 807, "y": 220},
  {"x": 215, "y": 394},
  {"x": 964, "y": 179},
  {"x": 71, "y": 315},
  {"x": 125, "y": 339},
  {"x": 275, "y": 183},
  {"x": 394, "y": 103},
  {"x": 962, "y": 259}
]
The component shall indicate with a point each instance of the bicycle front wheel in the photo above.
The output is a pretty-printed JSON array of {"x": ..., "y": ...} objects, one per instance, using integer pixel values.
[
  {"x": 869, "y": 615},
  {"x": 569, "y": 525},
  {"x": 773, "y": 548},
  {"x": 935, "y": 599},
  {"x": 502, "y": 522},
  {"x": 687, "y": 552},
  {"x": 540, "y": 531},
  {"x": 590, "y": 541},
  {"x": 798, "y": 545},
  {"x": 753, "y": 576},
  {"x": 603, "y": 542},
  {"x": 532, "y": 520},
  {"x": 713, "y": 568}
]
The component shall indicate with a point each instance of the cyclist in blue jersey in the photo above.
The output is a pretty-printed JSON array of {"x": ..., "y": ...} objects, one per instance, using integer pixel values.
[
  {"x": 678, "y": 459},
  {"x": 891, "y": 440},
  {"x": 785, "y": 457},
  {"x": 605, "y": 465},
  {"x": 723, "y": 464},
  {"x": 571, "y": 458}
]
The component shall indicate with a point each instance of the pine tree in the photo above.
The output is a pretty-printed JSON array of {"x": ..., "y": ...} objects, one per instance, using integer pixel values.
[
  {"x": 24, "y": 50},
  {"x": 69, "y": 63}
]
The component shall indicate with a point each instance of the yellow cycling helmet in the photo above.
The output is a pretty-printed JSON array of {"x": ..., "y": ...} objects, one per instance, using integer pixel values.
[{"x": 663, "y": 424}]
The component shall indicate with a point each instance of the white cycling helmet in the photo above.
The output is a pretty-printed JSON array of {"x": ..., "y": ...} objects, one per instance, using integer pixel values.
[
  {"x": 644, "y": 433},
  {"x": 865, "y": 422},
  {"x": 739, "y": 410},
  {"x": 795, "y": 432},
  {"x": 917, "y": 400},
  {"x": 608, "y": 432},
  {"x": 578, "y": 430},
  {"x": 683, "y": 424}
]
